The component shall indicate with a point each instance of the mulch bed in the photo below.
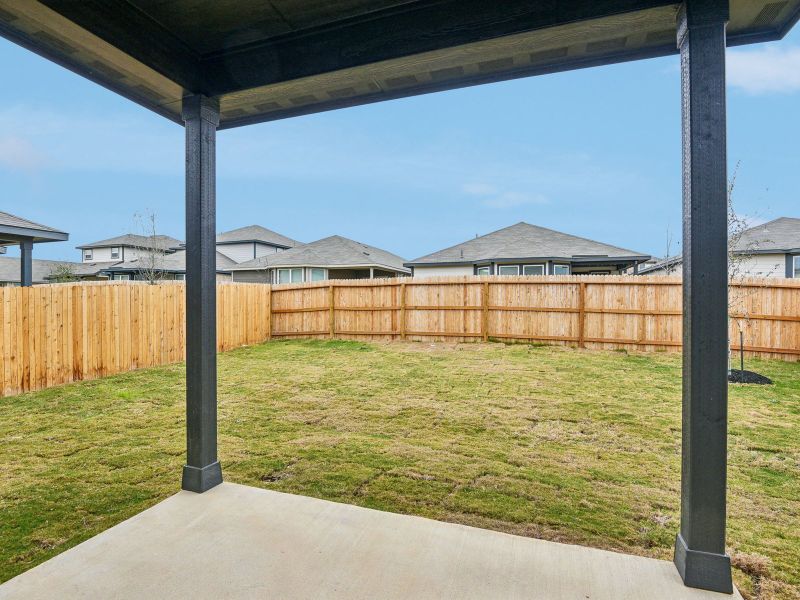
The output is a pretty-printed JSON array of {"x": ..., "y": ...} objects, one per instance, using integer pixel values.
[{"x": 737, "y": 376}]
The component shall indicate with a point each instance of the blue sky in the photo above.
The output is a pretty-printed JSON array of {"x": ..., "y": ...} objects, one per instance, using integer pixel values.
[{"x": 594, "y": 153}]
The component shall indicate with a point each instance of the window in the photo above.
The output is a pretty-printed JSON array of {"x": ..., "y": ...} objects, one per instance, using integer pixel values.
[
  {"x": 508, "y": 270},
  {"x": 180, "y": 276},
  {"x": 484, "y": 271},
  {"x": 560, "y": 269},
  {"x": 319, "y": 274},
  {"x": 115, "y": 252},
  {"x": 87, "y": 255},
  {"x": 121, "y": 277},
  {"x": 797, "y": 266},
  {"x": 290, "y": 275},
  {"x": 533, "y": 270}
]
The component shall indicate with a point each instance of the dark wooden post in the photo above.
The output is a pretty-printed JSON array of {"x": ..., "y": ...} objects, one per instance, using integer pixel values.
[
  {"x": 700, "y": 546},
  {"x": 202, "y": 471},
  {"x": 26, "y": 263}
]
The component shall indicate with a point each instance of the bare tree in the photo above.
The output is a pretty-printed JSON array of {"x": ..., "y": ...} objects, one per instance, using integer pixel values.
[
  {"x": 670, "y": 262},
  {"x": 741, "y": 251},
  {"x": 62, "y": 273},
  {"x": 150, "y": 252}
]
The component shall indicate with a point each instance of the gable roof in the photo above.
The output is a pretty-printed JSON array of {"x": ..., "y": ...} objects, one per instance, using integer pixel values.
[
  {"x": 526, "y": 241},
  {"x": 160, "y": 242},
  {"x": 256, "y": 233},
  {"x": 13, "y": 225},
  {"x": 333, "y": 252},
  {"x": 781, "y": 235}
]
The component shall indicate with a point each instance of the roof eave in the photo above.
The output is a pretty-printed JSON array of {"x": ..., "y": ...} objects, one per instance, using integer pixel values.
[
  {"x": 39, "y": 235},
  {"x": 571, "y": 259}
]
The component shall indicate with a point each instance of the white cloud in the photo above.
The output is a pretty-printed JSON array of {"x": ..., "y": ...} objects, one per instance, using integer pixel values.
[
  {"x": 19, "y": 154},
  {"x": 492, "y": 197},
  {"x": 772, "y": 69},
  {"x": 478, "y": 189}
]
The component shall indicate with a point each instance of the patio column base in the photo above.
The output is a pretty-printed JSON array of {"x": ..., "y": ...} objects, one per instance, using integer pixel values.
[
  {"x": 201, "y": 480},
  {"x": 703, "y": 570}
]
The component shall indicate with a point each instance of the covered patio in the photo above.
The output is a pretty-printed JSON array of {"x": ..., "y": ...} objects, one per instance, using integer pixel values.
[
  {"x": 16, "y": 230},
  {"x": 225, "y": 64}
]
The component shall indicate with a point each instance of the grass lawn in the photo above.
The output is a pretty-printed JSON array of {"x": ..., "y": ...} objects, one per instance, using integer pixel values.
[{"x": 567, "y": 445}]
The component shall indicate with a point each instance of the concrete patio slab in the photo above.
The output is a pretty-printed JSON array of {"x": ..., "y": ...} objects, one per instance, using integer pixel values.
[{"x": 241, "y": 542}]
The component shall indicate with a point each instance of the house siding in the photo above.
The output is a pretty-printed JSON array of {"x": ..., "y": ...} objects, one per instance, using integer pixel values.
[
  {"x": 246, "y": 250},
  {"x": 264, "y": 249},
  {"x": 764, "y": 265},
  {"x": 238, "y": 252},
  {"x": 252, "y": 276},
  {"x": 758, "y": 265},
  {"x": 437, "y": 271}
]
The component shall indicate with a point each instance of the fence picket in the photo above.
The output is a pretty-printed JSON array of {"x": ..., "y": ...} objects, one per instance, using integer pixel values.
[{"x": 54, "y": 334}]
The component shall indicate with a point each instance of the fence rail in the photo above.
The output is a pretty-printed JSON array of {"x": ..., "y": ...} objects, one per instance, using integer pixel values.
[{"x": 55, "y": 334}]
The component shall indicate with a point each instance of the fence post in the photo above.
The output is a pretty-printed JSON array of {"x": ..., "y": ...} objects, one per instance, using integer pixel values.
[
  {"x": 485, "y": 311},
  {"x": 402, "y": 311},
  {"x": 269, "y": 312},
  {"x": 332, "y": 317},
  {"x": 582, "y": 315}
]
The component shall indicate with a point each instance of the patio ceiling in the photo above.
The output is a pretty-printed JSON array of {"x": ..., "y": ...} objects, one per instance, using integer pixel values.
[
  {"x": 212, "y": 63},
  {"x": 282, "y": 58}
]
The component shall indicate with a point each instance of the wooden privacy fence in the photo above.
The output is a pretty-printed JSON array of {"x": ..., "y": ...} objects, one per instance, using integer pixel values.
[{"x": 55, "y": 334}]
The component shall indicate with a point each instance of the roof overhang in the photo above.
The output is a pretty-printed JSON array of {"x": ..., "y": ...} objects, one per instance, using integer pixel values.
[
  {"x": 594, "y": 260},
  {"x": 272, "y": 60},
  {"x": 14, "y": 235},
  {"x": 320, "y": 266},
  {"x": 263, "y": 242}
]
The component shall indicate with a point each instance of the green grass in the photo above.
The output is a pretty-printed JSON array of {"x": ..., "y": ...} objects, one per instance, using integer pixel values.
[{"x": 567, "y": 445}]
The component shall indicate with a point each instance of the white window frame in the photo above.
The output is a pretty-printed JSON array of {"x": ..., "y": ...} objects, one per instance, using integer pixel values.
[
  {"x": 555, "y": 266},
  {"x": 543, "y": 267},
  {"x": 116, "y": 251},
  {"x": 311, "y": 273},
  {"x": 501, "y": 267},
  {"x": 486, "y": 268},
  {"x": 289, "y": 270},
  {"x": 88, "y": 254},
  {"x": 121, "y": 277},
  {"x": 180, "y": 276},
  {"x": 796, "y": 270}
]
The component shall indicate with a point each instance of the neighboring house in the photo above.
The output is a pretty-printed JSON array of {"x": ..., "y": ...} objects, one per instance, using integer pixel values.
[
  {"x": 333, "y": 257},
  {"x": 253, "y": 241},
  {"x": 768, "y": 250},
  {"x": 168, "y": 267},
  {"x": 525, "y": 249},
  {"x": 126, "y": 247},
  {"x": 133, "y": 257},
  {"x": 42, "y": 270}
]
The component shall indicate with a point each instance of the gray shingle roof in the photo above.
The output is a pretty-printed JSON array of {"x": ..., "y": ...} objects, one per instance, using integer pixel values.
[
  {"x": 161, "y": 242},
  {"x": 335, "y": 251},
  {"x": 666, "y": 263},
  {"x": 256, "y": 233},
  {"x": 175, "y": 262},
  {"x": 781, "y": 234},
  {"x": 10, "y": 269},
  {"x": 12, "y": 224},
  {"x": 91, "y": 268},
  {"x": 524, "y": 241}
]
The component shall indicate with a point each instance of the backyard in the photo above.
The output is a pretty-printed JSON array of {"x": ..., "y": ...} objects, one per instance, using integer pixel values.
[{"x": 568, "y": 445}]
